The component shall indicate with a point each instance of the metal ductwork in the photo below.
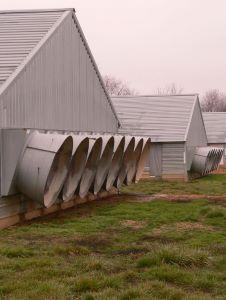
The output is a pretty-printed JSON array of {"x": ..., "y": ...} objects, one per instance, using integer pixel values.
[
  {"x": 216, "y": 159},
  {"x": 104, "y": 163},
  {"x": 94, "y": 152},
  {"x": 210, "y": 161},
  {"x": 64, "y": 165},
  {"x": 136, "y": 156},
  {"x": 119, "y": 144},
  {"x": 219, "y": 158},
  {"x": 43, "y": 166},
  {"x": 145, "y": 154},
  {"x": 126, "y": 161},
  {"x": 77, "y": 165},
  {"x": 206, "y": 160}
]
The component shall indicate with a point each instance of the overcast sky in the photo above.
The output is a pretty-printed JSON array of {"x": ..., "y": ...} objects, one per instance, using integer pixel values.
[{"x": 152, "y": 43}]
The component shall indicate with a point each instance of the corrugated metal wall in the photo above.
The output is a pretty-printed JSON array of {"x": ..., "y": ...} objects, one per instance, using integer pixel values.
[
  {"x": 167, "y": 159},
  {"x": 173, "y": 159},
  {"x": 196, "y": 135},
  {"x": 155, "y": 161},
  {"x": 12, "y": 142},
  {"x": 59, "y": 89}
]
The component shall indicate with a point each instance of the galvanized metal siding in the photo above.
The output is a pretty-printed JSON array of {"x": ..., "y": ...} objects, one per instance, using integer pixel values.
[
  {"x": 196, "y": 134},
  {"x": 59, "y": 89},
  {"x": 215, "y": 123},
  {"x": 163, "y": 118},
  {"x": 155, "y": 161},
  {"x": 19, "y": 34},
  {"x": 173, "y": 159},
  {"x": 12, "y": 143}
]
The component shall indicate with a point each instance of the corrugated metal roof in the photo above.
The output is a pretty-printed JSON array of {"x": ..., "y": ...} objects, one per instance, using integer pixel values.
[
  {"x": 20, "y": 32},
  {"x": 163, "y": 118},
  {"x": 215, "y": 123}
]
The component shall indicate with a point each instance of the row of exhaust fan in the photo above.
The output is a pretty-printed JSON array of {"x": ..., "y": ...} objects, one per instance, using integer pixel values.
[
  {"x": 206, "y": 160},
  {"x": 56, "y": 166}
]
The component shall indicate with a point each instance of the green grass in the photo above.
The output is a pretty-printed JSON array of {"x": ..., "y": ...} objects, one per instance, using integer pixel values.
[
  {"x": 120, "y": 249},
  {"x": 208, "y": 185}
]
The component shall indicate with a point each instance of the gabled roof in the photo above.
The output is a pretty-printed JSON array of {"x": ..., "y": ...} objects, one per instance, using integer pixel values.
[
  {"x": 215, "y": 123},
  {"x": 20, "y": 32},
  {"x": 23, "y": 33},
  {"x": 163, "y": 118}
]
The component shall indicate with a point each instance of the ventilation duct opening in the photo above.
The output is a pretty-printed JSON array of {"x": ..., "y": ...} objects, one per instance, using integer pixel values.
[
  {"x": 94, "y": 152},
  {"x": 116, "y": 162},
  {"x": 145, "y": 154},
  {"x": 126, "y": 161},
  {"x": 206, "y": 160},
  {"x": 43, "y": 167},
  {"x": 104, "y": 162},
  {"x": 136, "y": 156},
  {"x": 77, "y": 166}
]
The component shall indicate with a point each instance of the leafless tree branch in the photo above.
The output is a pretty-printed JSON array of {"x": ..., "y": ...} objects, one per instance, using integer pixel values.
[
  {"x": 213, "y": 100},
  {"x": 171, "y": 89},
  {"x": 117, "y": 87}
]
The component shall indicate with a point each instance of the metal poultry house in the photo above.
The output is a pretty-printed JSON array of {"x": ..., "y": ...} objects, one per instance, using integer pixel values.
[
  {"x": 58, "y": 127},
  {"x": 174, "y": 124}
]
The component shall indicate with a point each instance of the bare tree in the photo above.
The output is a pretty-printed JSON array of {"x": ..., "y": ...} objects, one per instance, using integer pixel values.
[
  {"x": 117, "y": 87},
  {"x": 214, "y": 100},
  {"x": 170, "y": 89}
]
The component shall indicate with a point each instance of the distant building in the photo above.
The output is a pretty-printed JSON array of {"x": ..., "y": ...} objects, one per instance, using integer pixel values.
[
  {"x": 174, "y": 124},
  {"x": 215, "y": 123}
]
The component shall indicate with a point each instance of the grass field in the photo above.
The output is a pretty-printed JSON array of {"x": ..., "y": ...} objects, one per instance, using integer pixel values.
[
  {"x": 122, "y": 248},
  {"x": 208, "y": 185}
]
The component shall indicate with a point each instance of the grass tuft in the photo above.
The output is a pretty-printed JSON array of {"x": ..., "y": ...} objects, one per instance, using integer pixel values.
[
  {"x": 69, "y": 250},
  {"x": 85, "y": 285},
  {"x": 16, "y": 252},
  {"x": 130, "y": 294},
  {"x": 175, "y": 256}
]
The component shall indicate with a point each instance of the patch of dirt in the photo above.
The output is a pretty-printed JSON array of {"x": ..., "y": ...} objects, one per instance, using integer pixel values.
[
  {"x": 185, "y": 226},
  {"x": 94, "y": 242},
  {"x": 133, "y": 224},
  {"x": 173, "y": 197},
  {"x": 182, "y": 227}
]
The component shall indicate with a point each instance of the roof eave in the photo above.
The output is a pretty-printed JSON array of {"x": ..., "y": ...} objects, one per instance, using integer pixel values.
[
  {"x": 148, "y": 95},
  {"x": 19, "y": 11}
]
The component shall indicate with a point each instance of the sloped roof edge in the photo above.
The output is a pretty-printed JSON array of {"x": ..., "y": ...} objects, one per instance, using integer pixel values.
[
  {"x": 67, "y": 11},
  {"x": 192, "y": 112},
  {"x": 10, "y": 80},
  {"x": 19, "y": 11},
  {"x": 95, "y": 66},
  {"x": 153, "y": 95}
]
